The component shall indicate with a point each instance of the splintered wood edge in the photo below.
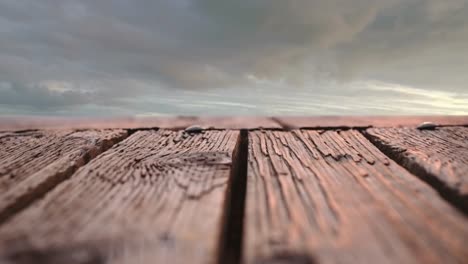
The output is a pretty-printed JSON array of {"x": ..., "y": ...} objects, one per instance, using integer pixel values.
[
  {"x": 444, "y": 172},
  {"x": 33, "y": 188}
]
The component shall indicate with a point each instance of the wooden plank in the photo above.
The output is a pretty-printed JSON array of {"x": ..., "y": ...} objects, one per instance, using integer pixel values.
[
  {"x": 33, "y": 162},
  {"x": 175, "y": 122},
  {"x": 238, "y": 122},
  {"x": 295, "y": 122},
  {"x": 225, "y": 122},
  {"x": 45, "y": 122},
  {"x": 156, "y": 197},
  {"x": 332, "y": 197},
  {"x": 439, "y": 157}
]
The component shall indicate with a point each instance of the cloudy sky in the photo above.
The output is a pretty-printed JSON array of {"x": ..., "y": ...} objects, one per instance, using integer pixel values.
[{"x": 158, "y": 57}]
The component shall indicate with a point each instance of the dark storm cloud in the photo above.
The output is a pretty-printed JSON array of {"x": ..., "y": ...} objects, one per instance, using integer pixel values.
[{"x": 73, "y": 52}]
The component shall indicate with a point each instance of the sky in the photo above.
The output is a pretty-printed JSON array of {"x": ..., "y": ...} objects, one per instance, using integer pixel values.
[{"x": 224, "y": 57}]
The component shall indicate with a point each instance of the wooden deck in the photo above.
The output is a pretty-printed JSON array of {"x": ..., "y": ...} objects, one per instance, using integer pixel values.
[{"x": 242, "y": 190}]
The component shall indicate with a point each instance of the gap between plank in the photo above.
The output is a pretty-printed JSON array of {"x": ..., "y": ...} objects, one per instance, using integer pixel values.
[
  {"x": 419, "y": 171},
  {"x": 230, "y": 242},
  {"x": 40, "y": 191}
]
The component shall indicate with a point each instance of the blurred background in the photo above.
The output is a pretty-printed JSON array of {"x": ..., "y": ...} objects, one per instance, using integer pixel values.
[{"x": 222, "y": 57}]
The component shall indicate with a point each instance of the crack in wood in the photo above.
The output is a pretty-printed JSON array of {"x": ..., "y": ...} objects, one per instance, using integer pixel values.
[
  {"x": 38, "y": 161},
  {"x": 430, "y": 156}
]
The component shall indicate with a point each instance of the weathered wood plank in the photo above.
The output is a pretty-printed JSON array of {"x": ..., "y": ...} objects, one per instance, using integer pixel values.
[
  {"x": 45, "y": 122},
  {"x": 238, "y": 122},
  {"x": 439, "y": 157},
  {"x": 33, "y": 162},
  {"x": 176, "y": 122},
  {"x": 156, "y": 197},
  {"x": 294, "y": 122},
  {"x": 224, "y": 122},
  {"x": 332, "y": 197}
]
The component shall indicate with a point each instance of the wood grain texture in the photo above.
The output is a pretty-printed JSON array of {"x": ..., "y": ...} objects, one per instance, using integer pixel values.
[
  {"x": 332, "y": 197},
  {"x": 176, "y": 122},
  {"x": 295, "y": 122},
  {"x": 156, "y": 197},
  {"x": 33, "y": 162},
  {"x": 439, "y": 156}
]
